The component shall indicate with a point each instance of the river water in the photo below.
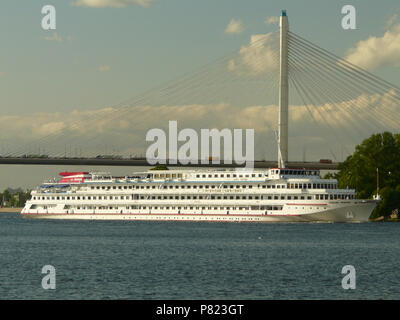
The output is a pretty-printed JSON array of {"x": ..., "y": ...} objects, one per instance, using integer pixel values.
[{"x": 196, "y": 260}]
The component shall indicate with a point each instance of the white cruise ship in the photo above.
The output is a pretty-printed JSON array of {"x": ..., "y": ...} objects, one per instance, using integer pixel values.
[{"x": 198, "y": 195}]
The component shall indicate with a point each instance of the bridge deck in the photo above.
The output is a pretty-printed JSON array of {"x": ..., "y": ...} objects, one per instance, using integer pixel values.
[{"x": 143, "y": 162}]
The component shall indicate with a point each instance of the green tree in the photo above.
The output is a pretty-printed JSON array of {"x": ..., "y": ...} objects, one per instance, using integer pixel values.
[
  {"x": 12, "y": 202},
  {"x": 6, "y": 195},
  {"x": 359, "y": 171}
]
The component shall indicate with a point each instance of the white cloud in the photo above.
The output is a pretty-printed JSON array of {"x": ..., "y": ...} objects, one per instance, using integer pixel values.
[
  {"x": 272, "y": 20},
  {"x": 377, "y": 51},
  {"x": 104, "y": 68},
  {"x": 391, "y": 21},
  {"x": 259, "y": 56},
  {"x": 234, "y": 27},
  {"x": 126, "y": 129},
  {"x": 111, "y": 3}
]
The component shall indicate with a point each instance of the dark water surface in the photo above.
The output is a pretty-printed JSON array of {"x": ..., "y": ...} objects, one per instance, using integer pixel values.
[{"x": 196, "y": 260}]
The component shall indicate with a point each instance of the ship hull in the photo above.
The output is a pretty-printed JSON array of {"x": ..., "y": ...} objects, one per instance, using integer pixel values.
[{"x": 359, "y": 212}]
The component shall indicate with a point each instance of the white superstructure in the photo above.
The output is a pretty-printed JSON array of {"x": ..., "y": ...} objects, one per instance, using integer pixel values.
[{"x": 192, "y": 195}]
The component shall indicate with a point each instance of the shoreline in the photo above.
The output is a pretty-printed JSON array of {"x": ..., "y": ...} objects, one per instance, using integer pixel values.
[{"x": 10, "y": 210}]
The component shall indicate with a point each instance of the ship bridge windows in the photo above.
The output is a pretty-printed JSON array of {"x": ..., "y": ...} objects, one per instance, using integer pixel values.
[{"x": 274, "y": 207}]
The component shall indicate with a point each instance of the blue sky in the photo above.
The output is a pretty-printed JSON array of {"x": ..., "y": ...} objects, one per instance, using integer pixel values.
[{"x": 146, "y": 46}]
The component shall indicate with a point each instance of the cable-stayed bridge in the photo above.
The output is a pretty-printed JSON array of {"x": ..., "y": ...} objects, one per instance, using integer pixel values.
[{"x": 333, "y": 106}]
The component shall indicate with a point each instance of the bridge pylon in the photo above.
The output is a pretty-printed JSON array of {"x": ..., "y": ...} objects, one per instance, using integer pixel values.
[{"x": 283, "y": 92}]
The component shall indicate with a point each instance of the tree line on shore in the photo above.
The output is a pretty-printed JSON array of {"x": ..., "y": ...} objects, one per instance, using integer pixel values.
[
  {"x": 374, "y": 168},
  {"x": 13, "y": 198}
]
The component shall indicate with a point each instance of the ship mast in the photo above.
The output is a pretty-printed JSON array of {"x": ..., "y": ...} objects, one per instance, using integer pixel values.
[{"x": 283, "y": 92}]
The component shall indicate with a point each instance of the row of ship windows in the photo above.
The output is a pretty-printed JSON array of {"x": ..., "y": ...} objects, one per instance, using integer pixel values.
[
  {"x": 273, "y": 186},
  {"x": 172, "y": 208},
  {"x": 223, "y": 175},
  {"x": 234, "y": 175},
  {"x": 212, "y": 197}
]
